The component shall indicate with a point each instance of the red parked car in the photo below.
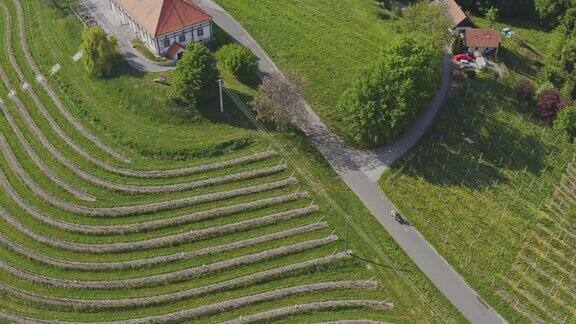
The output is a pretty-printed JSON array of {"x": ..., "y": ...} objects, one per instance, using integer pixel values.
[{"x": 463, "y": 57}]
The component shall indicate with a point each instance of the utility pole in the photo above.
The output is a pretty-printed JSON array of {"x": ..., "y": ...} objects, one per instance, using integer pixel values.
[
  {"x": 346, "y": 238},
  {"x": 221, "y": 97}
]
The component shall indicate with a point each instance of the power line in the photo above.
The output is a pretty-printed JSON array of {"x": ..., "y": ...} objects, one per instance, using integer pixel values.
[{"x": 320, "y": 190}]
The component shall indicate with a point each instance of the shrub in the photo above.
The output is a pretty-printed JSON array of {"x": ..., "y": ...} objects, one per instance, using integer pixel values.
[
  {"x": 383, "y": 99},
  {"x": 525, "y": 90},
  {"x": 567, "y": 59},
  {"x": 549, "y": 102},
  {"x": 386, "y": 4},
  {"x": 492, "y": 15},
  {"x": 457, "y": 45},
  {"x": 569, "y": 89},
  {"x": 568, "y": 22},
  {"x": 552, "y": 74},
  {"x": 471, "y": 74},
  {"x": 239, "y": 60},
  {"x": 100, "y": 52},
  {"x": 195, "y": 78},
  {"x": 395, "y": 10},
  {"x": 566, "y": 122}
]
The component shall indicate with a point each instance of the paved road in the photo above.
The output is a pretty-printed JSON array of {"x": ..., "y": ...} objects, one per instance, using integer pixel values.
[
  {"x": 361, "y": 169},
  {"x": 223, "y": 19}
]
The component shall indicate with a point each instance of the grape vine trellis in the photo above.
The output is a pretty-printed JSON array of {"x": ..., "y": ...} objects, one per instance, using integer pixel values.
[{"x": 479, "y": 194}]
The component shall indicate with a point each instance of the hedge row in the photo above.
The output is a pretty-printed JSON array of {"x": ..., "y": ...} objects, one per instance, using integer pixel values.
[
  {"x": 92, "y": 304},
  {"x": 169, "y": 277},
  {"x": 299, "y": 309},
  {"x": 154, "y": 261}
]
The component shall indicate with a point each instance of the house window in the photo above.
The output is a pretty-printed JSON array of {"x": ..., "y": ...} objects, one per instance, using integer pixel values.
[
  {"x": 182, "y": 38},
  {"x": 200, "y": 32},
  {"x": 166, "y": 42}
]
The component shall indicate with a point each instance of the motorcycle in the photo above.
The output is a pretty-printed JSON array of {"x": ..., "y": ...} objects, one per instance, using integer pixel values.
[{"x": 397, "y": 217}]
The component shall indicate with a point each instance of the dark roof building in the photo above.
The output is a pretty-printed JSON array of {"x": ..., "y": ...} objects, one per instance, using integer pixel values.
[{"x": 459, "y": 18}]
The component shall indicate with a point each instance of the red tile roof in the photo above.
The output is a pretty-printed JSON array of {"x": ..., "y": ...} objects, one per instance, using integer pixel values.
[
  {"x": 456, "y": 13},
  {"x": 173, "y": 50},
  {"x": 159, "y": 17},
  {"x": 476, "y": 37}
]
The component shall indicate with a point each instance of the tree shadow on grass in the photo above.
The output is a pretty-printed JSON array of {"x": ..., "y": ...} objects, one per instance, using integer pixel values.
[
  {"x": 524, "y": 23},
  {"x": 520, "y": 64},
  {"x": 124, "y": 69},
  {"x": 232, "y": 115},
  {"x": 470, "y": 144},
  {"x": 451, "y": 166}
]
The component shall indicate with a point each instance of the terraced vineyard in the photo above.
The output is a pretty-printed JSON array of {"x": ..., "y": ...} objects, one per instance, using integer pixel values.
[
  {"x": 541, "y": 285},
  {"x": 483, "y": 203},
  {"x": 88, "y": 234},
  {"x": 492, "y": 188}
]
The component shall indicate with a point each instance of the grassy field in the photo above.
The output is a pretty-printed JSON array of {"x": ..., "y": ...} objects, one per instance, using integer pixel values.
[
  {"x": 326, "y": 42},
  {"x": 482, "y": 186},
  {"x": 79, "y": 227},
  {"x": 141, "y": 47}
]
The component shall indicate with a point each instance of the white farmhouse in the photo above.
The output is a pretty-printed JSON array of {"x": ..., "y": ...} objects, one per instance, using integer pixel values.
[{"x": 166, "y": 27}]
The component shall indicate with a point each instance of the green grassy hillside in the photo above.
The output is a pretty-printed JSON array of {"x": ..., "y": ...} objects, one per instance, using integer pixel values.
[
  {"x": 326, "y": 42},
  {"x": 115, "y": 206},
  {"x": 481, "y": 185}
]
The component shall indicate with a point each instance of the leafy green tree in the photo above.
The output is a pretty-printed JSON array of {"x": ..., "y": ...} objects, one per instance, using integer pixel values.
[
  {"x": 100, "y": 52},
  {"x": 553, "y": 74},
  {"x": 195, "y": 78},
  {"x": 239, "y": 60},
  {"x": 492, "y": 15},
  {"x": 566, "y": 122},
  {"x": 568, "y": 22},
  {"x": 567, "y": 55},
  {"x": 384, "y": 98},
  {"x": 552, "y": 11}
]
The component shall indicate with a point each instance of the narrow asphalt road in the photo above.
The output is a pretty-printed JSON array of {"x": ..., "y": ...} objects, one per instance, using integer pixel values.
[{"x": 360, "y": 169}]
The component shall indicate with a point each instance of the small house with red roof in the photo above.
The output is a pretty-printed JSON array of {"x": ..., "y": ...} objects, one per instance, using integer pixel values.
[
  {"x": 166, "y": 27},
  {"x": 482, "y": 40}
]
